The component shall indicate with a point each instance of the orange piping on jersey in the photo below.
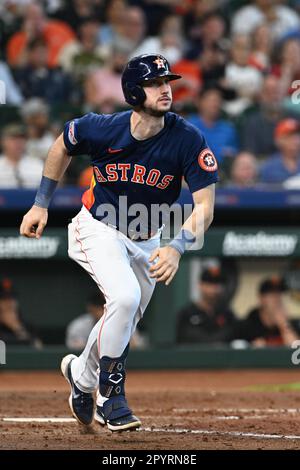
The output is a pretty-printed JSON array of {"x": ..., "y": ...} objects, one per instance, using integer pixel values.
[{"x": 88, "y": 197}]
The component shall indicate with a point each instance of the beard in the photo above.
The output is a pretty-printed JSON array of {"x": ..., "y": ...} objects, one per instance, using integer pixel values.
[{"x": 154, "y": 112}]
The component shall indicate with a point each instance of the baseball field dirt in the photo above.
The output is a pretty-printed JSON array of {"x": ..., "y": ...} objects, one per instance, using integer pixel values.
[{"x": 253, "y": 409}]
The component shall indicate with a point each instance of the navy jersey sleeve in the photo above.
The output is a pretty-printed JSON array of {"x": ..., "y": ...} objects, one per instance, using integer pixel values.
[
  {"x": 200, "y": 165},
  {"x": 80, "y": 134}
]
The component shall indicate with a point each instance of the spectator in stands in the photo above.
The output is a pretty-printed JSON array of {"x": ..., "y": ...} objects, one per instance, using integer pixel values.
[
  {"x": 156, "y": 11},
  {"x": 220, "y": 134},
  {"x": 56, "y": 34},
  {"x": 170, "y": 41},
  {"x": 11, "y": 92},
  {"x": 268, "y": 323},
  {"x": 286, "y": 162},
  {"x": 112, "y": 26},
  {"x": 103, "y": 91},
  {"x": 261, "y": 49},
  {"x": 35, "y": 113},
  {"x": 132, "y": 29},
  {"x": 210, "y": 30},
  {"x": 203, "y": 63},
  {"x": 209, "y": 320},
  {"x": 17, "y": 170},
  {"x": 76, "y": 12},
  {"x": 197, "y": 12},
  {"x": 288, "y": 67},
  {"x": 11, "y": 15},
  {"x": 79, "y": 57},
  {"x": 79, "y": 329},
  {"x": 242, "y": 77},
  {"x": 244, "y": 171},
  {"x": 13, "y": 330},
  {"x": 257, "y": 129},
  {"x": 280, "y": 18},
  {"x": 212, "y": 63},
  {"x": 35, "y": 79}
]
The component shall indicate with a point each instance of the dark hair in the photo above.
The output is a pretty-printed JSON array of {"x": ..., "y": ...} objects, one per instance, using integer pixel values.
[
  {"x": 213, "y": 275},
  {"x": 211, "y": 86},
  {"x": 36, "y": 42},
  {"x": 274, "y": 284},
  {"x": 215, "y": 14},
  {"x": 87, "y": 20}
]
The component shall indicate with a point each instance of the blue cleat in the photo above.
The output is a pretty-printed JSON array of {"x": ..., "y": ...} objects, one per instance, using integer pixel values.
[
  {"x": 81, "y": 403},
  {"x": 116, "y": 414}
]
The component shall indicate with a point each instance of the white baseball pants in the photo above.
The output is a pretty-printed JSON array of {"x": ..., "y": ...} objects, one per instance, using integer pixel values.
[{"x": 120, "y": 268}]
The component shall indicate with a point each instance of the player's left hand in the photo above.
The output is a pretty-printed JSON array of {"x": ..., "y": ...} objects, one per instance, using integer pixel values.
[{"x": 167, "y": 264}]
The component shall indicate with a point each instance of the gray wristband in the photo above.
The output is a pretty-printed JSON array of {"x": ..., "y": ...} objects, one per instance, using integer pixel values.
[
  {"x": 183, "y": 240},
  {"x": 45, "y": 192}
]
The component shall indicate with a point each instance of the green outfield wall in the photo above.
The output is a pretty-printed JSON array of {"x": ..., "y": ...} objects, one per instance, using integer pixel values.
[{"x": 19, "y": 358}]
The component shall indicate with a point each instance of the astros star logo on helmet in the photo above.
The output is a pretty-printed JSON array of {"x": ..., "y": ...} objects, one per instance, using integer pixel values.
[{"x": 159, "y": 62}]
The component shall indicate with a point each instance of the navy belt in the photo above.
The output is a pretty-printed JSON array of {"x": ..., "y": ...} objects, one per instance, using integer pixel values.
[{"x": 136, "y": 237}]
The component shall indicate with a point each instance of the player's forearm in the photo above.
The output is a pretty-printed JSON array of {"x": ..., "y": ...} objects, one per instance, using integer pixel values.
[
  {"x": 57, "y": 160},
  {"x": 193, "y": 229},
  {"x": 55, "y": 166},
  {"x": 199, "y": 220}
]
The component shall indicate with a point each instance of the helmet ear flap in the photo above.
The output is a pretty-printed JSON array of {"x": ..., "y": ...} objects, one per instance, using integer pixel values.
[{"x": 135, "y": 94}]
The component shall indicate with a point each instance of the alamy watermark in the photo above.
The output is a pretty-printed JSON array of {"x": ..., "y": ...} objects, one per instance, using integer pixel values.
[
  {"x": 295, "y": 358},
  {"x": 2, "y": 92},
  {"x": 295, "y": 96},
  {"x": 137, "y": 221},
  {"x": 2, "y": 352}
]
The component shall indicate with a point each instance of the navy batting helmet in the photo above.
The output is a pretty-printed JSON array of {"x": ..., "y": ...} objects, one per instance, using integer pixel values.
[{"x": 140, "y": 69}]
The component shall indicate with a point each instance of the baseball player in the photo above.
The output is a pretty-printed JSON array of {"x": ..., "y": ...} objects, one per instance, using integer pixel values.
[{"x": 142, "y": 155}]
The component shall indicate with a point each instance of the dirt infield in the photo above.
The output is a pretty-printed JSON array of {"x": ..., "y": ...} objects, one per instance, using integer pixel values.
[{"x": 179, "y": 410}]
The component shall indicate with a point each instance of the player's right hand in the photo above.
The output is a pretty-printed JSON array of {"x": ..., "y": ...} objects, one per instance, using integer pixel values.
[
  {"x": 166, "y": 265},
  {"x": 34, "y": 222}
]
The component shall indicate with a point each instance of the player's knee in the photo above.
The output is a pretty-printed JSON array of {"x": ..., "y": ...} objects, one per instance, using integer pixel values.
[{"x": 128, "y": 300}]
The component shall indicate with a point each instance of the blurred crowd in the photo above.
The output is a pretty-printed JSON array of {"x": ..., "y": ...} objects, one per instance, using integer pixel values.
[
  {"x": 240, "y": 63},
  {"x": 209, "y": 320}
]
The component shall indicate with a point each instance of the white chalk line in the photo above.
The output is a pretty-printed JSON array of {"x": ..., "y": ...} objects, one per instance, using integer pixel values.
[
  {"x": 234, "y": 417},
  {"x": 221, "y": 433},
  {"x": 237, "y": 410},
  {"x": 164, "y": 430},
  {"x": 224, "y": 410},
  {"x": 251, "y": 413},
  {"x": 165, "y": 417}
]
